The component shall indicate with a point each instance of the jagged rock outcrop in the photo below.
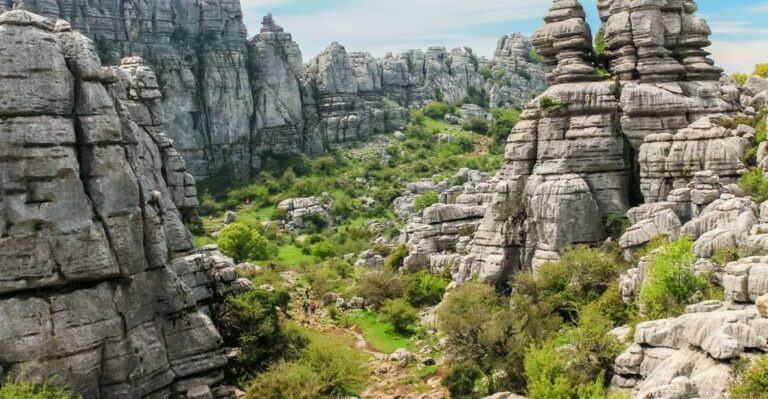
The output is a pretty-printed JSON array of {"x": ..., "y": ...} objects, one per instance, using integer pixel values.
[
  {"x": 228, "y": 100},
  {"x": 100, "y": 282},
  {"x": 598, "y": 141},
  {"x": 276, "y": 70},
  {"x": 200, "y": 53},
  {"x": 693, "y": 355},
  {"x": 438, "y": 237}
]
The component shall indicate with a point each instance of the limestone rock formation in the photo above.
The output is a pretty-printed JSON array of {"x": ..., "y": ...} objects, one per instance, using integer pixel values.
[
  {"x": 277, "y": 69},
  {"x": 632, "y": 125},
  {"x": 228, "y": 99},
  {"x": 200, "y": 53},
  {"x": 100, "y": 282}
]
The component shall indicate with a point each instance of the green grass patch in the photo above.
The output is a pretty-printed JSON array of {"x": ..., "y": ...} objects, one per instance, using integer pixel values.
[
  {"x": 380, "y": 335},
  {"x": 291, "y": 255},
  {"x": 426, "y": 372},
  {"x": 201, "y": 241}
]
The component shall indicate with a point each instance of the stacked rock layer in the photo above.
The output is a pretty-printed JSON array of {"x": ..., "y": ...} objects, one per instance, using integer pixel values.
[
  {"x": 100, "y": 284},
  {"x": 597, "y": 142}
]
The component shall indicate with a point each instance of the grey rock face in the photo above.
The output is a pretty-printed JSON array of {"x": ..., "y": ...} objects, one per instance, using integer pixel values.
[
  {"x": 199, "y": 51},
  {"x": 589, "y": 146},
  {"x": 100, "y": 281},
  {"x": 227, "y": 100},
  {"x": 277, "y": 69},
  {"x": 438, "y": 237}
]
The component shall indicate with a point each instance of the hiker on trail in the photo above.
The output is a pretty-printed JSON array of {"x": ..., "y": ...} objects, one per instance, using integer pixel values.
[
  {"x": 312, "y": 308},
  {"x": 305, "y": 307},
  {"x": 306, "y": 293}
]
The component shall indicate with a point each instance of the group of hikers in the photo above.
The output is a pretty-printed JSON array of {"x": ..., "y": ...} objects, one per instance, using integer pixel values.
[{"x": 309, "y": 307}]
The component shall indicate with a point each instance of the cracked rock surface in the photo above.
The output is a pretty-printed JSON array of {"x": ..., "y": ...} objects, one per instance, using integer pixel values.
[{"x": 100, "y": 283}]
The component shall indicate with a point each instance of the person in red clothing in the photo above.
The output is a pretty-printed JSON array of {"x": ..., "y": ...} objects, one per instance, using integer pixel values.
[{"x": 312, "y": 308}]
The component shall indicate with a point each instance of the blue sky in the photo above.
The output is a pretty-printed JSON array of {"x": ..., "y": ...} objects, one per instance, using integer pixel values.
[{"x": 740, "y": 38}]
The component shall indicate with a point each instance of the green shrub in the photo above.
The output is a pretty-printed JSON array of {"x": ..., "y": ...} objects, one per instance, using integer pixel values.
[
  {"x": 29, "y": 390},
  {"x": 550, "y": 106},
  {"x": 670, "y": 283},
  {"x": 486, "y": 72},
  {"x": 504, "y": 120},
  {"x": 416, "y": 117},
  {"x": 616, "y": 224},
  {"x": 286, "y": 380},
  {"x": 322, "y": 280},
  {"x": 477, "y": 97},
  {"x": 581, "y": 276},
  {"x": 761, "y": 70},
  {"x": 322, "y": 250},
  {"x": 278, "y": 214},
  {"x": 209, "y": 205},
  {"x": 755, "y": 184},
  {"x": 313, "y": 223},
  {"x": 424, "y": 288},
  {"x": 479, "y": 126},
  {"x": 545, "y": 371},
  {"x": 400, "y": 314},
  {"x": 258, "y": 194},
  {"x": 724, "y": 256},
  {"x": 573, "y": 365},
  {"x": 242, "y": 243},
  {"x": 599, "y": 45},
  {"x": 591, "y": 349},
  {"x": 327, "y": 368},
  {"x": 438, "y": 110},
  {"x": 460, "y": 380},
  {"x": 395, "y": 259},
  {"x": 464, "y": 318},
  {"x": 612, "y": 306},
  {"x": 464, "y": 143},
  {"x": 740, "y": 78},
  {"x": 751, "y": 383},
  {"x": 378, "y": 286},
  {"x": 424, "y": 201},
  {"x": 252, "y": 323},
  {"x": 533, "y": 56}
]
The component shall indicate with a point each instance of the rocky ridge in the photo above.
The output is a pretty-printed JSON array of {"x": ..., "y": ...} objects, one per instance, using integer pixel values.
[
  {"x": 101, "y": 284},
  {"x": 629, "y": 126},
  {"x": 590, "y": 146},
  {"x": 228, "y": 99}
]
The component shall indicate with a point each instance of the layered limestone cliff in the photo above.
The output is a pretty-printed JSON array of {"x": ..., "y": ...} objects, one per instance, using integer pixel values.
[
  {"x": 228, "y": 99},
  {"x": 200, "y": 53},
  {"x": 100, "y": 284}
]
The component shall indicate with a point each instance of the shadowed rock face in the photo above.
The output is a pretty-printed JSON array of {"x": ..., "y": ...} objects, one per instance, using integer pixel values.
[{"x": 99, "y": 281}]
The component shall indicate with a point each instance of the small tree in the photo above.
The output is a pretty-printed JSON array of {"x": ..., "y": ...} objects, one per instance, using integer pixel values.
[
  {"x": 425, "y": 289},
  {"x": 378, "y": 286},
  {"x": 400, "y": 314},
  {"x": 242, "y": 243},
  {"x": 670, "y": 283}
]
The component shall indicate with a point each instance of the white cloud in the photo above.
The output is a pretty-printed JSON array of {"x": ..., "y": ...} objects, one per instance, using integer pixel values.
[
  {"x": 762, "y": 7},
  {"x": 736, "y": 28},
  {"x": 739, "y": 56}
]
